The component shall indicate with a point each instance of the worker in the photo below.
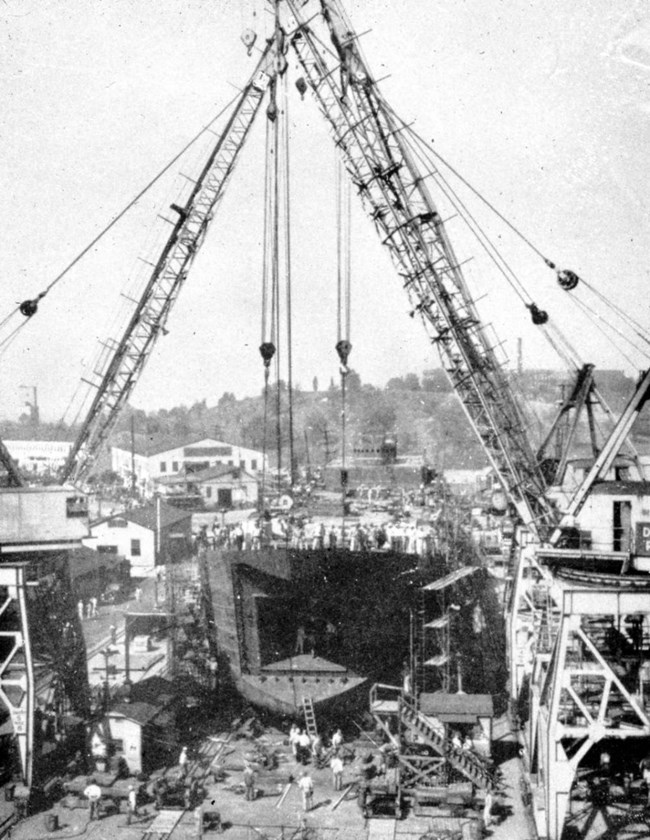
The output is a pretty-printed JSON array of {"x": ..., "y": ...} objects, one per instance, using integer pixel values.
[
  {"x": 468, "y": 744},
  {"x": 294, "y": 732},
  {"x": 300, "y": 640},
  {"x": 645, "y": 773},
  {"x": 249, "y": 781},
  {"x": 455, "y": 740},
  {"x": 337, "y": 740},
  {"x": 93, "y": 794},
  {"x": 131, "y": 804},
  {"x": 182, "y": 761},
  {"x": 304, "y": 747},
  {"x": 487, "y": 810},
  {"x": 336, "y": 766},
  {"x": 317, "y": 749},
  {"x": 306, "y": 786}
]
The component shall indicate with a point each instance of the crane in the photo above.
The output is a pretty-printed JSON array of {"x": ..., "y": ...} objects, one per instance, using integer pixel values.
[
  {"x": 128, "y": 356},
  {"x": 396, "y": 196}
]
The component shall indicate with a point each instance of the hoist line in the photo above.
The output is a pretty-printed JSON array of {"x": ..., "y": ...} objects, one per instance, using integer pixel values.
[
  {"x": 6, "y": 342},
  {"x": 619, "y": 311},
  {"x": 265, "y": 250},
  {"x": 276, "y": 274},
  {"x": 610, "y": 303},
  {"x": 134, "y": 200},
  {"x": 287, "y": 256},
  {"x": 594, "y": 317},
  {"x": 568, "y": 355}
]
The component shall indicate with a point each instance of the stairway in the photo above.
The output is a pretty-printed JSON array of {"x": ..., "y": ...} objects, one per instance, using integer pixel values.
[
  {"x": 310, "y": 717},
  {"x": 461, "y": 760}
]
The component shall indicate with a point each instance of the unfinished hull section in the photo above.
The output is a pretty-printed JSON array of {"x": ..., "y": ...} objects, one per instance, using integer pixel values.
[{"x": 295, "y": 624}]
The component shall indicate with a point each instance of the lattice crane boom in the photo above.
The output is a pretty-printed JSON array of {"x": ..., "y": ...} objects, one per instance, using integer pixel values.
[
  {"x": 395, "y": 194},
  {"x": 128, "y": 356}
]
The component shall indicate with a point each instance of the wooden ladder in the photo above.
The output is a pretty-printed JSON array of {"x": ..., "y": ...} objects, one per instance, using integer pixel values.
[{"x": 310, "y": 716}]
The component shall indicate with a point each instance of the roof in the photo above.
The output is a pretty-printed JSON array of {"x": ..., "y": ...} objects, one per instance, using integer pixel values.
[
  {"x": 306, "y": 663},
  {"x": 144, "y": 448},
  {"x": 220, "y": 471},
  {"x": 456, "y": 708},
  {"x": 147, "y": 516},
  {"x": 621, "y": 488},
  {"x": 142, "y": 713}
]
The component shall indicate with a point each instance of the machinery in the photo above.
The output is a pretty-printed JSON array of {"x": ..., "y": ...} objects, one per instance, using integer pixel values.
[{"x": 566, "y": 585}]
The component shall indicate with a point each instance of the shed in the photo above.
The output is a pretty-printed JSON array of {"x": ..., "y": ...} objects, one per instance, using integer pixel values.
[
  {"x": 460, "y": 710},
  {"x": 141, "y": 729}
]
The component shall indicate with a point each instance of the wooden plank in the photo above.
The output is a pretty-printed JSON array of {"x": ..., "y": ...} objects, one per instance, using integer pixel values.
[{"x": 341, "y": 797}]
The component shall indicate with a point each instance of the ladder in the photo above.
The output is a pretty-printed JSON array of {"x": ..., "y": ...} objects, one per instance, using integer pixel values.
[{"x": 310, "y": 716}]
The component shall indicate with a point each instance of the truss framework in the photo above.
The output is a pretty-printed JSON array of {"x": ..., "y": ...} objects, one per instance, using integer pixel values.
[
  {"x": 395, "y": 196},
  {"x": 128, "y": 356}
]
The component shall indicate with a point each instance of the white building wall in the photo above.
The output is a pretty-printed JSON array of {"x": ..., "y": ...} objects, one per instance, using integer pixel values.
[
  {"x": 39, "y": 456},
  {"x": 597, "y": 517},
  {"x": 107, "y": 534}
]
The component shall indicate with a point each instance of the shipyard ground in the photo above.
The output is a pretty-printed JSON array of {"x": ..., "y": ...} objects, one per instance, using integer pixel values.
[{"x": 273, "y": 815}]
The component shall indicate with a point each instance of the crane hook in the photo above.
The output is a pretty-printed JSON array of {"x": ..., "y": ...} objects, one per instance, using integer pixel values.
[{"x": 539, "y": 316}]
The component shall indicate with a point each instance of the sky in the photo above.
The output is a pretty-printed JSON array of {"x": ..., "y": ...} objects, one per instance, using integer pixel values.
[{"x": 544, "y": 106}]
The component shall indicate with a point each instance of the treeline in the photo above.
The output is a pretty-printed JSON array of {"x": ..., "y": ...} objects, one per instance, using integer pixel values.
[{"x": 422, "y": 413}]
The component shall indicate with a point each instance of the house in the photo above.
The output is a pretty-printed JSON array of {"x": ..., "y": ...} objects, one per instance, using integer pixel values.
[
  {"x": 146, "y": 536},
  {"x": 221, "y": 488},
  {"x": 185, "y": 457},
  {"x": 141, "y": 726}
]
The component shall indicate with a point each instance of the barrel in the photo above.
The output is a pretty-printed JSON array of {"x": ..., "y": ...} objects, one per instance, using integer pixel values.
[{"x": 51, "y": 822}]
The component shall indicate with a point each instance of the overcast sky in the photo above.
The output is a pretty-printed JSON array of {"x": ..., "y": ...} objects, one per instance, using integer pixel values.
[{"x": 544, "y": 106}]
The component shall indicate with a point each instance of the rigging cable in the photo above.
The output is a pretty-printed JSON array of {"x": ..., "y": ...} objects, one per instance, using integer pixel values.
[
  {"x": 568, "y": 280},
  {"x": 29, "y": 307},
  {"x": 267, "y": 346},
  {"x": 603, "y": 298},
  {"x": 343, "y": 345},
  {"x": 286, "y": 201}
]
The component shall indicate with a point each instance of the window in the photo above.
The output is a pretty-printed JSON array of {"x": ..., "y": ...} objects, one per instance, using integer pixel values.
[
  {"x": 254, "y": 464},
  {"x": 135, "y": 548},
  {"x": 230, "y": 463},
  {"x": 76, "y": 506},
  {"x": 117, "y": 523},
  {"x": 174, "y": 466},
  {"x": 208, "y": 492},
  {"x": 242, "y": 464},
  {"x": 163, "y": 466},
  {"x": 107, "y": 549}
]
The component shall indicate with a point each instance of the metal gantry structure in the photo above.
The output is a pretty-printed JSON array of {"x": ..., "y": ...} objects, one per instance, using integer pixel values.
[{"x": 394, "y": 191}]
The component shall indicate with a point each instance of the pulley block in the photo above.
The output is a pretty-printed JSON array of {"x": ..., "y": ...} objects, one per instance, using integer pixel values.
[
  {"x": 567, "y": 279},
  {"x": 267, "y": 351},
  {"x": 28, "y": 308},
  {"x": 343, "y": 348},
  {"x": 539, "y": 316}
]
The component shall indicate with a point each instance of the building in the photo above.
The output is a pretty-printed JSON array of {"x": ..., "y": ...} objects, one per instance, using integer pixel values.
[
  {"x": 221, "y": 488},
  {"x": 142, "y": 729},
  {"x": 146, "y": 536},
  {"x": 183, "y": 458},
  {"x": 39, "y": 457}
]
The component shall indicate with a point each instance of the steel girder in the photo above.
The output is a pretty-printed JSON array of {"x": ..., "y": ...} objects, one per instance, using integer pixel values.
[
  {"x": 395, "y": 195},
  {"x": 17, "y": 689},
  {"x": 127, "y": 357},
  {"x": 586, "y": 690}
]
